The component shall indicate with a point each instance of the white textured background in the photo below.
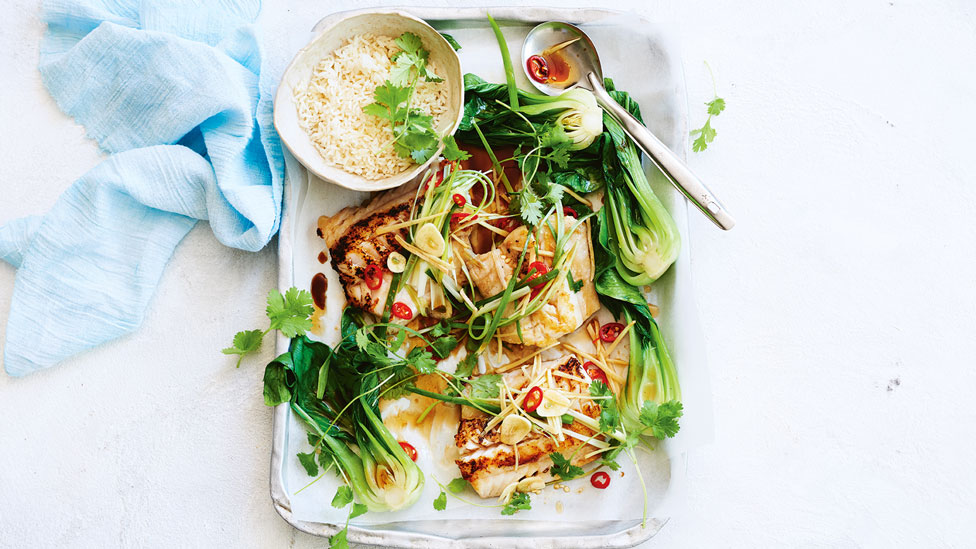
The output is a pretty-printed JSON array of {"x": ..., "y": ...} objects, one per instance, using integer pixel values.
[{"x": 839, "y": 314}]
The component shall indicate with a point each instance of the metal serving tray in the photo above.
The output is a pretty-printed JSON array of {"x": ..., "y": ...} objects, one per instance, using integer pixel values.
[{"x": 642, "y": 47}]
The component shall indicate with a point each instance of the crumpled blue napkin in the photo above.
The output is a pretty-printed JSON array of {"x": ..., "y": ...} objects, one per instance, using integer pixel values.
[{"x": 173, "y": 89}]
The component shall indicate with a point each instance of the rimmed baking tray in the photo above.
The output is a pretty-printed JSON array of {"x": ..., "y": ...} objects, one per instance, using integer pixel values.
[{"x": 643, "y": 60}]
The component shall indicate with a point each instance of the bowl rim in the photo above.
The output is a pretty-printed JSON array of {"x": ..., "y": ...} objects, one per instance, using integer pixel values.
[{"x": 286, "y": 96}]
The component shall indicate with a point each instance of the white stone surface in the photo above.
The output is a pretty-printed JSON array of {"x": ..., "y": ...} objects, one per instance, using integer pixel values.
[{"x": 839, "y": 313}]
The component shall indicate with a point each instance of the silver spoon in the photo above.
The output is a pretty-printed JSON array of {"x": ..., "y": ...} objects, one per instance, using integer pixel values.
[{"x": 579, "y": 65}]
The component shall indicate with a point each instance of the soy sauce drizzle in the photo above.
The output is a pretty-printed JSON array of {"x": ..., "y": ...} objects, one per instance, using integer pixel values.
[{"x": 319, "y": 285}]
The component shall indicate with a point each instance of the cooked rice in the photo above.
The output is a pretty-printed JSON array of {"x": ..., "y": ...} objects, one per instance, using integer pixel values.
[{"x": 331, "y": 108}]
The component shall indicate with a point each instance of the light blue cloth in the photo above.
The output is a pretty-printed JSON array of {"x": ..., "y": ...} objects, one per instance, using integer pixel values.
[{"x": 173, "y": 89}]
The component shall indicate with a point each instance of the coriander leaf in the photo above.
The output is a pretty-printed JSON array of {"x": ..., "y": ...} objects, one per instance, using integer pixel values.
[
  {"x": 519, "y": 502},
  {"x": 444, "y": 345},
  {"x": 402, "y": 70},
  {"x": 289, "y": 313},
  {"x": 554, "y": 193},
  {"x": 308, "y": 462},
  {"x": 313, "y": 439},
  {"x": 440, "y": 329},
  {"x": 343, "y": 497},
  {"x": 716, "y": 106},
  {"x": 399, "y": 339},
  {"x": 661, "y": 419},
  {"x": 399, "y": 383},
  {"x": 375, "y": 109},
  {"x": 409, "y": 42},
  {"x": 563, "y": 468},
  {"x": 391, "y": 97},
  {"x": 421, "y": 154},
  {"x": 706, "y": 134},
  {"x": 362, "y": 338},
  {"x": 485, "y": 386},
  {"x": 422, "y": 360},
  {"x": 451, "y": 150},
  {"x": 440, "y": 503},
  {"x": 245, "y": 343},
  {"x": 358, "y": 509},
  {"x": 560, "y": 156},
  {"x": 610, "y": 463},
  {"x": 575, "y": 285},
  {"x": 530, "y": 206},
  {"x": 452, "y": 41},
  {"x": 609, "y": 413},
  {"x": 339, "y": 541},
  {"x": 457, "y": 485},
  {"x": 466, "y": 367}
]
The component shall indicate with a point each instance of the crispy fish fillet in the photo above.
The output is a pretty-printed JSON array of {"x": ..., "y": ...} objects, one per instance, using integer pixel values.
[
  {"x": 354, "y": 244},
  {"x": 490, "y": 465}
]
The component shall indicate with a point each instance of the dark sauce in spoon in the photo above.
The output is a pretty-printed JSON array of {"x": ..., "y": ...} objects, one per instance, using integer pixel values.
[{"x": 551, "y": 66}]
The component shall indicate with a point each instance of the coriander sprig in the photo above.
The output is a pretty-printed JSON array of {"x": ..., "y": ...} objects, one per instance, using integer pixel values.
[
  {"x": 288, "y": 313},
  {"x": 414, "y": 135},
  {"x": 706, "y": 134}
]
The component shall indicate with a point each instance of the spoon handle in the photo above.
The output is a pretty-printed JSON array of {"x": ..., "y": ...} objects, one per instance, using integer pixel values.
[{"x": 668, "y": 162}]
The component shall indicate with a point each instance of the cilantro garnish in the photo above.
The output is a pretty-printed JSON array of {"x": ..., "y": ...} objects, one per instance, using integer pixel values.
[
  {"x": 661, "y": 419},
  {"x": 440, "y": 502},
  {"x": 288, "y": 313},
  {"x": 563, "y": 468},
  {"x": 485, "y": 387},
  {"x": 706, "y": 134},
  {"x": 308, "y": 462},
  {"x": 413, "y": 132},
  {"x": 609, "y": 413},
  {"x": 342, "y": 498},
  {"x": 457, "y": 485},
  {"x": 519, "y": 502}
]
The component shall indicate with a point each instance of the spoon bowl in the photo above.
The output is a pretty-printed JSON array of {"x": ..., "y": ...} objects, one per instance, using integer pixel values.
[
  {"x": 561, "y": 43},
  {"x": 559, "y": 56}
]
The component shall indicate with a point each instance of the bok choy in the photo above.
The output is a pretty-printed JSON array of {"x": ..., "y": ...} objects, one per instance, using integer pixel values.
[
  {"x": 336, "y": 392},
  {"x": 641, "y": 233}
]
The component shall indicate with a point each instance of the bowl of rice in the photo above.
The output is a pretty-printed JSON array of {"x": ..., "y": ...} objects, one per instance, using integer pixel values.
[{"x": 319, "y": 106}]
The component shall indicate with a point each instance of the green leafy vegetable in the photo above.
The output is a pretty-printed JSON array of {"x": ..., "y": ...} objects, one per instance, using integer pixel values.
[
  {"x": 440, "y": 502},
  {"x": 289, "y": 313},
  {"x": 661, "y": 419},
  {"x": 457, "y": 485},
  {"x": 636, "y": 227},
  {"x": 410, "y": 63},
  {"x": 358, "y": 509},
  {"x": 381, "y": 474},
  {"x": 706, "y": 134},
  {"x": 563, "y": 468},
  {"x": 245, "y": 343},
  {"x": 308, "y": 462},
  {"x": 339, "y": 541},
  {"x": 452, "y": 41},
  {"x": 609, "y": 415},
  {"x": 485, "y": 387},
  {"x": 343, "y": 497},
  {"x": 520, "y": 502},
  {"x": 414, "y": 136}
]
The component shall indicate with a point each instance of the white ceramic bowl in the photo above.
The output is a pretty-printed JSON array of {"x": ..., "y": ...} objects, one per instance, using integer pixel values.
[{"x": 299, "y": 72}]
